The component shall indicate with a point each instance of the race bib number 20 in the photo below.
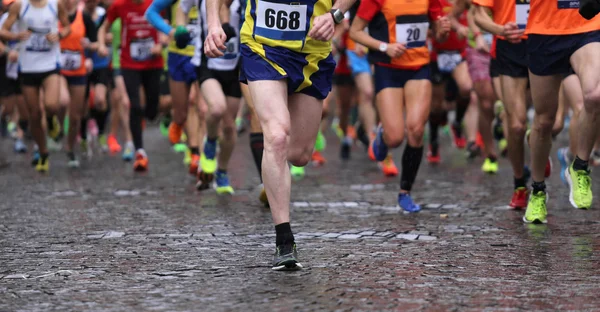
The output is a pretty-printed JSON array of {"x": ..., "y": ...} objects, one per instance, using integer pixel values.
[
  {"x": 411, "y": 30},
  {"x": 280, "y": 21}
]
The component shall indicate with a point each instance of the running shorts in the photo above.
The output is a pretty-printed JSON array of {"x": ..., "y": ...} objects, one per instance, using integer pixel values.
[
  {"x": 358, "y": 64},
  {"x": 388, "y": 77},
  {"x": 77, "y": 80},
  {"x": 8, "y": 86},
  {"x": 36, "y": 79},
  {"x": 494, "y": 68},
  {"x": 310, "y": 74},
  {"x": 479, "y": 65},
  {"x": 181, "y": 69},
  {"x": 550, "y": 54},
  {"x": 101, "y": 76},
  {"x": 512, "y": 58},
  {"x": 228, "y": 79}
]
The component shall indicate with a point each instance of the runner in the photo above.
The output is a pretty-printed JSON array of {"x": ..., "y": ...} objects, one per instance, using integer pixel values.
[
  {"x": 277, "y": 54},
  {"x": 402, "y": 76},
  {"x": 39, "y": 54},
  {"x": 575, "y": 44},
  {"x": 73, "y": 70},
  {"x": 343, "y": 86},
  {"x": 141, "y": 65}
]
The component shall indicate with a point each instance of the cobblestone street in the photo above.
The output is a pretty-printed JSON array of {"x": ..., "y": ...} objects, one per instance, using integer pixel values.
[{"x": 102, "y": 238}]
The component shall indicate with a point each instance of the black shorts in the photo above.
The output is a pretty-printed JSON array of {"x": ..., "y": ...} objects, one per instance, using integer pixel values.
[
  {"x": 164, "y": 84},
  {"x": 343, "y": 80},
  {"x": 8, "y": 86},
  {"x": 437, "y": 76},
  {"x": 101, "y": 76},
  {"x": 550, "y": 54},
  {"x": 229, "y": 80},
  {"x": 494, "y": 68},
  {"x": 36, "y": 79},
  {"x": 512, "y": 58},
  {"x": 451, "y": 92}
]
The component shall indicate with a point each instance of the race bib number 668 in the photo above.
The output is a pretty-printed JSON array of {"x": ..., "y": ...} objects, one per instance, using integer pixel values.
[{"x": 280, "y": 21}]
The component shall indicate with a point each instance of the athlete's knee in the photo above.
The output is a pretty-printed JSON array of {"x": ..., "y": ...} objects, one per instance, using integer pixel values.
[
  {"x": 217, "y": 110},
  {"x": 300, "y": 155},
  {"x": 415, "y": 129},
  {"x": 367, "y": 93},
  {"x": 591, "y": 100},
  {"x": 276, "y": 137},
  {"x": 517, "y": 127}
]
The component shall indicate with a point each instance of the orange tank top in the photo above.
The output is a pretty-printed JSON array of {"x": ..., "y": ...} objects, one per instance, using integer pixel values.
[{"x": 72, "y": 57}]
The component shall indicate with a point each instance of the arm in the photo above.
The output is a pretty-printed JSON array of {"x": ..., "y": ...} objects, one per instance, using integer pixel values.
[
  {"x": 482, "y": 19},
  {"x": 366, "y": 11},
  {"x": 155, "y": 19},
  {"x": 181, "y": 17},
  {"x": 224, "y": 12},
  {"x": 63, "y": 17},
  {"x": 13, "y": 14}
]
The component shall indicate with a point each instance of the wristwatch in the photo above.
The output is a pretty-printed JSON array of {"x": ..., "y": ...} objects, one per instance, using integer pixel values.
[
  {"x": 383, "y": 47},
  {"x": 338, "y": 16}
]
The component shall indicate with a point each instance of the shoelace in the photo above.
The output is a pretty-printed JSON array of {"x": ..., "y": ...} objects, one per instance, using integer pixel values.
[
  {"x": 538, "y": 201},
  {"x": 583, "y": 182}
]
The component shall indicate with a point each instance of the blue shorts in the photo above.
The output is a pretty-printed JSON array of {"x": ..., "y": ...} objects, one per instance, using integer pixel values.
[
  {"x": 312, "y": 78},
  {"x": 358, "y": 64},
  {"x": 387, "y": 77},
  {"x": 512, "y": 58},
  {"x": 76, "y": 80},
  {"x": 181, "y": 68},
  {"x": 550, "y": 54}
]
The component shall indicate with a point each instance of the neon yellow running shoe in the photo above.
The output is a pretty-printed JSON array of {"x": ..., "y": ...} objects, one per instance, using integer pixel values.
[
  {"x": 180, "y": 148},
  {"x": 55, "y": 132},
  {"x": 297, "y": 172},
  {"x": 187, "y": 158},
  {"x": 580, "y": 184},
  {"x": 490, "y": 166},
  {"x": 42, "y": 165},
  {"x": 321, "y": 142},
  {"x": 536, "y": 208},
  {"x": 208, "y": 159}
]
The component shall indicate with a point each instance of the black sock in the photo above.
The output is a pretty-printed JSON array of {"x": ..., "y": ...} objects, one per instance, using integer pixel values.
[
  {"x": 49, "y": 123},
  {"x": 283, "y": 234},
  {"x": 461, "y": 109},
  {"x": 257, "y": 148},
  {"x": 24, "y": 124},
  {"x": 411, "y": 160},
  {"x": 520, "y": 182},
  {"x": 100, "y": 118},
  {"x": 538, "y": 187},
  {"x": 83, "y": 128},
  {"x": 492, "y": 158},
  {"x": 435, "y": 120},
  {"x": 580, "y": 164},
  {"x": 44, "y": 157},
  {"x": 195, "y": 150}
]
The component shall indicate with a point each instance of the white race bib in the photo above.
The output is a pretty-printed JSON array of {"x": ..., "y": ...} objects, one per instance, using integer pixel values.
[
  {"x": 447, "y": 62},
  {"x": 38, "y": 43},
  {"x": 70, "y": 60},
  {"x": 488, "y": 38},
  {"x": 232, "y": 48},
  {"x": 141, "y": 49},
  {"x": 411, "y": 34},
  {"x": 522, "y": 13},
  {"x": 281, "y": 21},
  {"x": 12, "y": 70}
]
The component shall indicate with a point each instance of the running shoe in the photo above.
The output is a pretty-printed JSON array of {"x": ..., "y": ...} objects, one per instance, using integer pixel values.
[
  {"x": 208, "y": 159},
  {"x": 193, "y": 169},
  {"x": 351, "y": 132},
  {"x": 519, "y": 199},
  {"x": 54, "y": 129},
  {"x": 141, "y": 161},
  {"x": 187, "y": 157},
  {"x": 318, "y": 159},
  {"x": 580, "y": 184},
  {"x": 489, "y": 166},
  {"x": 180, "y": 148},
  {"x": 339, "y": 132},
  {"x": 175, "y": 132},
  {"x": 564, "y": 160},
  {"x": 536, "y": 208},
  {"x": 320, "y": 142},
  {"x": 297, "y": 172},
  {"x": 503, "y": 147},
  {"x": 203, "y": 180},
  {"x": 102, "y": 140},
  {"x": 240, "y": 125},
  {"x": 378, "y": 150},
  {"x": 223, "y": 185},
  {"x": 263, "y": 196},
  {"x": 164, "y": 126},
  {"x": 473, "y": 150},
  {"x": 406, "y": 203},
  {"x": 388, "y": 166},
  {"x": 20, "y": 146},
  {"x": 363, "y": 137},
  {"x": 128, "y": 152},
  {"x": 54, "y": 145},
  {"x": 433, "y": 155},
  {"x": 42, "y": 165},
  {"x": 73, "y": 161},
  {"x": 113, "y": 144},
  {"x": 459, "y": 141},
  {"x": 345, "y": 148},
  {"x": 479, "y": 141},
  {"x": 12, "y": 129},
  {"x": 286, "y": 258},
  {"x": 36, "y": 158}
]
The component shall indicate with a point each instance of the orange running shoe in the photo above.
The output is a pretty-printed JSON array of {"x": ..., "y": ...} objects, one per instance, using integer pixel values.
[
  {"x": 433, "y": 155},
  {"x": 479, "y": 141},
  {"x": 318, "y": 159},
  {"x": 175, "y": 132},
  {"x": 194, "y": 165},
  {"x": 519, "y": 199},
  {"x": 351, "y": 132},
  {"x": 388, "y": 167},
  {"x": 141, "y": 162},
  {"x": 113, "y": 144}
]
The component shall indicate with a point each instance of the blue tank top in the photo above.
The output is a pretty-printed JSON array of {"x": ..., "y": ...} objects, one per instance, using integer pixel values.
[{"x": 100, "y": 62}]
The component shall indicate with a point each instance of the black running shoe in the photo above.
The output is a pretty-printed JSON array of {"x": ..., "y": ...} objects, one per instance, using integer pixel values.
[
  {"x": 345, "y": 150},
  {"x": 473, "y": 150},
  {"x": 286, "y": 258},
  {"x": 362, "y": 136}
]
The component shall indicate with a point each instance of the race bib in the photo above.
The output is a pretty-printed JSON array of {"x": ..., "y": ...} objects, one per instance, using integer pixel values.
[
  {"x": 141, "y": 49},
  {"x": 38, "y": 43},
  {"x": 280, "y": 21},
  {"x": 192, "y": 27},
  {"x": 70, "y": 60},
  {"x": 12, "y": 70},
  {"x": 489, "y": 39},
  {"x": 568, "y": 4},
  {"x": 232, "y": 48},
  {"x": 411, "y": 30},
  {"x": 447, "y": 62},
  {"x": 522, "y": 13}
]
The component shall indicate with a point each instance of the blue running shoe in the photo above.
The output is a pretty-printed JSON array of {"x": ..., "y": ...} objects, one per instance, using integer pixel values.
[
  {"x": 380, "y": 150},
  {"x": 406, "y": 203},
  {"x": 20, "y": 146},
  {"x": 563, "y": 159},
  {"x": 35, "y": 159},
  {"x": 223, "y": 186},
  {"x": 128, "y": 152}
]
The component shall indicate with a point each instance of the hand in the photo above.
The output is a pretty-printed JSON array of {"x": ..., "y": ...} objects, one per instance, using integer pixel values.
[
  {"x": 102, "y": 51},
  {"x": 89, "y": 65},
  {"x": 512, "y": 33},
  {"x": 156, "y": 49},
  {"x": 395, "y": 50},
  {"x": 85, "y": 43},
  {"x": 172, "y": 34},
  {"x": 229, "y": 31},
  {"x": 52, "y": 38},
  {"x": 182, "y": 37},
  {"x": 323, "y": 27},
  {"x": 481, "y": 45},
  {"x": 22, "y": 36},
  {"x": 360, "y": 50},
  {"x": 13, "y": 56},
  {"x": 443, "y": 28},
  {"x": 462, "y": 32},
  {"x": 109, "y": 38},
  {"x": 214, "y": 45}
]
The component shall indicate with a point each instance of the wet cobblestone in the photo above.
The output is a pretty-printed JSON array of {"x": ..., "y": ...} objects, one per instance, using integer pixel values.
[{"x": 105, "y": 239}]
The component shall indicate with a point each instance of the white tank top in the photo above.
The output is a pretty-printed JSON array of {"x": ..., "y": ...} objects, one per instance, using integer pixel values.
[
  {"x": 37, "y": 54},
  {"x": 186, "y": 7},
  {"x": 229, "y": 61}
]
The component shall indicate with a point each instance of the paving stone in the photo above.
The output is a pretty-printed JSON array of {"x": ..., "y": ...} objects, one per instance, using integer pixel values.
[
  {"x": 349, "y": 236},
  {"x": 113, "y": 234},
  {"x": 426, "y": 238},
  {"x": 407, "y": 236}
]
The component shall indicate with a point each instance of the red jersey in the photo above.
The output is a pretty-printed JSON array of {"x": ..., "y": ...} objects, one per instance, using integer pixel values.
[
  {"x": 453, "y": 43},
  {"x": 138, "y": 37},
  {"x": 342, "y": 64}
]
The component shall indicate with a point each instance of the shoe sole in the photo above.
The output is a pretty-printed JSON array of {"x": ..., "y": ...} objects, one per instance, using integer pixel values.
[
  {"x": 289, "y": 266},
  {"x": 570, "y": 183}
]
